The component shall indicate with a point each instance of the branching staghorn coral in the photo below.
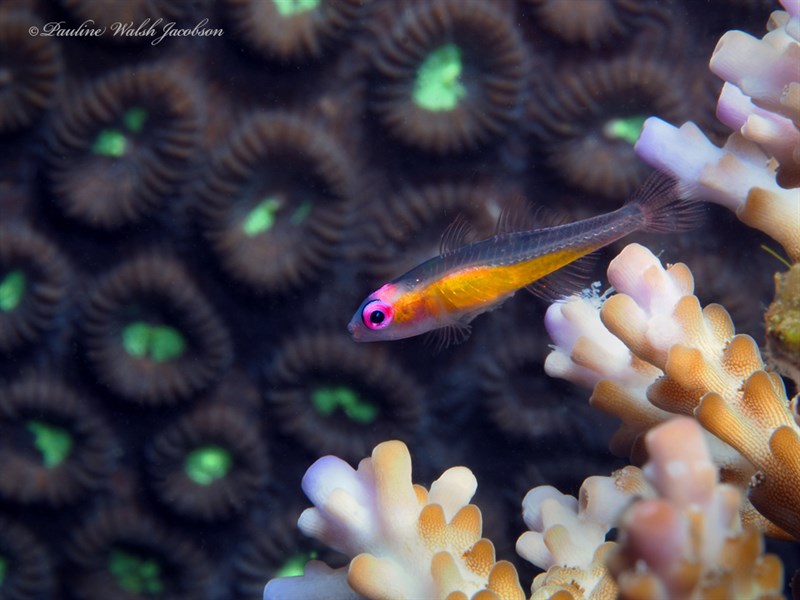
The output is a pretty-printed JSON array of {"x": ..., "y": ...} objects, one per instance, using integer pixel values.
[
  {"x": 406, "y": 541},
  {"x": 750, "y": 174},
  {"x": 651, "y": 352}
]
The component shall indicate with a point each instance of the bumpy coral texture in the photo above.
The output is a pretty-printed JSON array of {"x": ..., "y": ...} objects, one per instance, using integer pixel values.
[
  {"x": 652, "y": 352},
  {"x": 405, "y": 541},
  {"x": 680, "y": 535},
  {"x": 757, "y": 172}
]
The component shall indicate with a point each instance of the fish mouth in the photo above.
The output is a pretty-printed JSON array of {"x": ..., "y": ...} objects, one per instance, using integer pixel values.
[{"x": 351, "y": 327}]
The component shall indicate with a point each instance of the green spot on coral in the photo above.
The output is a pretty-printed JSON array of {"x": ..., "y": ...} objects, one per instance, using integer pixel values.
[
  {"x": 110, "y": 142},
  {"x": 113, "y": 142},
  {"x": 135, "y": 574},
  {"x": 327, "y": 399},
  {"x": 158, "y": 342},
  {"x": 295, "y": 566},
  {"x": 12, "y": 289},
  {"x": 53, "y": 443},
  {"x": 289, "y": 8},
  {"x": 627, "y": 129},
  {"x": 301, "y": 213},
  {"x": 207, "y": 464},
  {"x": 262, "y": 217},
  {"x": 3, "y": 569},
  {"x": 134, "y": 119},
  {"x": 438, "y": 87}
]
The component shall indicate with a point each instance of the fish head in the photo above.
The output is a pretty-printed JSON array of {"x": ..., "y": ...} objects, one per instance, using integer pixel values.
[{"x": 386, "y": 314}]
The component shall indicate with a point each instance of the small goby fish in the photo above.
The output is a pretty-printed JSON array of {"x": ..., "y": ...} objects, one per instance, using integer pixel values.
[{"x": 448, "y": 291}]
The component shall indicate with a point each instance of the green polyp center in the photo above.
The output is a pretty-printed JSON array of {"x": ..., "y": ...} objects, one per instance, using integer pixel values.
[
  {"x": 12, "y": 290},
  {"x": 136, "y": 574},
  {"x": 160, "y": 343},
  {"x": 627, "y": 129},
  {"x": 3, "y": 569},
  {"x": 327, "y": 399},
  {"x": 114, "y": 142},
  {"x": 301, "y": 213},
  {"x": 206, "y": 465},
  {"x": 289, "y": 8},
  {"x": 262, "y": 217},
  {"x": 53, "y": 443},
  {"x": 438, "y": 87},
  {"x": 295, "y": 566}
]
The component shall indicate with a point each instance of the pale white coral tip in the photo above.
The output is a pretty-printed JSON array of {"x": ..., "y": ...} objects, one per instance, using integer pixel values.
[
  {"x": 532, "y": 504},
  {"x": 453, "y": 490},
  {"x": 327, "y": 474},
  {"x": 740, "y": 58},
  {"x": 318, "y": 581},
  {"x": 682, "y": 152}
]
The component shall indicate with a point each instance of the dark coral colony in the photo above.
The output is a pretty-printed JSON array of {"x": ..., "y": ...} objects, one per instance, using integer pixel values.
[{"x": 187, "y": 224}]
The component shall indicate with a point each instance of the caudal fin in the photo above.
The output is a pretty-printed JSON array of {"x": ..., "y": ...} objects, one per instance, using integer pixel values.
[{"x": 666, "y": 206}]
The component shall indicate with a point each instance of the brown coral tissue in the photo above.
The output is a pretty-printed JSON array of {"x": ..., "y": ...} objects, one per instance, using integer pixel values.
[
  {"x": 134, "y": 12},
  {"x": 25, "y": 564},
  {"x": 274, "y": 202},
  {"x": 291, "y": 32},
  {"x": 33, "y": 286},
  {"x": 596, "y": 22},
  {"x": 450, "y": 74},
  {"x": 520, "y": 398},
  {"x": 121, "y": 147},
  {"x": 29, "y": 71},
  {"x": 150, "y": 335}
]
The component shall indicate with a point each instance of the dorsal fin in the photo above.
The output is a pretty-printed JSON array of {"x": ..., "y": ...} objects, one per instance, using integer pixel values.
[
  {"x": 519, "y": 214},
  {"x": 458, "y": 234},
  {"x": 566, "y": 281}
]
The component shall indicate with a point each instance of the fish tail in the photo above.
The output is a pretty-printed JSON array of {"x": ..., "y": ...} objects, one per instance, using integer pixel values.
[{"x": 665, "y": 206}]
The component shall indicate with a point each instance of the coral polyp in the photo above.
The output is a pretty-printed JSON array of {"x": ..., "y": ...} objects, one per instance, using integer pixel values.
[
  {"x": 334, "y": 397},
  {"x": 121, "y": 147},
  {"x": 275, "y": 201},
  {"x": 450, "y": 74},
  {"x": 33, "y": 286},
  {"x": 208, "y": 465},
  {"x": 589, "y": 118},
  {"x": 150, "y": 335},
  {"x": 55, "y": 451},
  {"x": 122, "y": 552}
]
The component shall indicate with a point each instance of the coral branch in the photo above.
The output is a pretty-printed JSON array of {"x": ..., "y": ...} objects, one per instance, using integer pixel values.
[
  {"x": 750, "y": 174},
  {"x": 679, "y": 530},
  {"x": 405, "y": 541},
  {"x": 682, "y": 360}
]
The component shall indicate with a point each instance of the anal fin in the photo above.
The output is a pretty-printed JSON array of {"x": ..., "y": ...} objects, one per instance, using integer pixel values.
[{"x": 566, "y": 281}]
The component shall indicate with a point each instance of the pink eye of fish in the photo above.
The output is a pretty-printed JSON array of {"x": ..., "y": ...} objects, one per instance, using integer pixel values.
[{"x": 377, "y": 314}]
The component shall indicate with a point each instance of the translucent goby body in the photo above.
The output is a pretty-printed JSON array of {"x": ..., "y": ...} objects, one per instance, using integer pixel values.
[{"x": 449, "y": 290}]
